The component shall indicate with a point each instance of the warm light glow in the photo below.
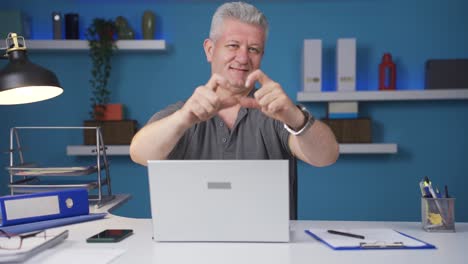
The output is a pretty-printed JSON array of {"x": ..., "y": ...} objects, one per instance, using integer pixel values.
[{"x": 28, "y": 94}]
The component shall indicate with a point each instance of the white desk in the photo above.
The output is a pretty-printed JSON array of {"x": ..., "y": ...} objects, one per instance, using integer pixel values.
[{"x": 451, "y": 247}]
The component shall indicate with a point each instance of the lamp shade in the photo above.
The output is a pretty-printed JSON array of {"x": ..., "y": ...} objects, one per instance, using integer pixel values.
[{"x": 22, "y": 81}]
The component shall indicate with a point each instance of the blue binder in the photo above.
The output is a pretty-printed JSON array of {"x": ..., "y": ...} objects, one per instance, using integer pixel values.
[
  {"x": 42, "y": 225},
  {"x": 28, "y": 208}
]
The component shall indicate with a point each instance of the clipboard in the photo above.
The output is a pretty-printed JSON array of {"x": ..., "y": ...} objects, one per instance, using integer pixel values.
[{"x": 374, "y": 239}]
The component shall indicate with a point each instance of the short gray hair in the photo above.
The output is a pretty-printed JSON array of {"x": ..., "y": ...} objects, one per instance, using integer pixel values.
[{"x": 241, "y": 11}]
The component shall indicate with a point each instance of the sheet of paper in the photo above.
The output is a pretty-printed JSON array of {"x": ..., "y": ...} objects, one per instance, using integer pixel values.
[
  {"x": 96, "y": 255},
  {"x": 372, "y": 236}
]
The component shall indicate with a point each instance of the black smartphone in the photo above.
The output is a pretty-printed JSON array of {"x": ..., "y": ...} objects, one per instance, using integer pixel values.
[{"x": 110, "y": 236}]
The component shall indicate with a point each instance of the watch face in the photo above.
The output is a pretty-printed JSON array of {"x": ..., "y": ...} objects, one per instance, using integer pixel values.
[{"x": 57, "y": 17}]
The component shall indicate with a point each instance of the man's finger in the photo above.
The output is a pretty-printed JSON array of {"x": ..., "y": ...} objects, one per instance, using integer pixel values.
[
  {"x": 215, "y": 81},
  {"x": 257, "y": 75},
  {"x": 248, "y": 102},
  {"x": 228, "y": 102}
]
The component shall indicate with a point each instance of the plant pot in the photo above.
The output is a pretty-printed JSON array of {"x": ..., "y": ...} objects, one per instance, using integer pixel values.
[{"x": 108, "y": 112}]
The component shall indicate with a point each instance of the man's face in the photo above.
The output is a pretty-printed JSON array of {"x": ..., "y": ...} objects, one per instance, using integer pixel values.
[{"x": 236, "y": 52}]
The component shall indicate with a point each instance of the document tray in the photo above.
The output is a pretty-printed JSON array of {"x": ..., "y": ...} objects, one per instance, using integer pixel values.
[
  {"x": 52, "y": 171},
  {"x": 35, "y": 184}
]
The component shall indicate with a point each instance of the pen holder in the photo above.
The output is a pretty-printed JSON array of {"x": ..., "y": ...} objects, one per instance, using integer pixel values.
[{"x": 438, "y": 214}]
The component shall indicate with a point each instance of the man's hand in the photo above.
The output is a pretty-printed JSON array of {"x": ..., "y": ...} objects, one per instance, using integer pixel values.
[
  {"x": 205, "y": 103},
  {"x": 272, "y": 100}
]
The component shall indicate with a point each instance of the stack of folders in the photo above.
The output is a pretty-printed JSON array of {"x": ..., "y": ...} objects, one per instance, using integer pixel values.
[
  {"x": 18, "y": 248},
  {"x": 39, "y": 211}
]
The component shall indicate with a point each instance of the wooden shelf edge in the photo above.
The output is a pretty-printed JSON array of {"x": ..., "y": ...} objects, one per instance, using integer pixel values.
[
  {"x": 124, "y": 150},
  {"x": 85, "y": 150},
  {"x": 82, "y": 45},
  {"x": 441, "y": 94},
  {"x": 372, "y": 148}
]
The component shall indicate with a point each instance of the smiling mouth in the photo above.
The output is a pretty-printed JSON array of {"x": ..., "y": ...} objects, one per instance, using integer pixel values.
[{"x": 238, "y": 69}]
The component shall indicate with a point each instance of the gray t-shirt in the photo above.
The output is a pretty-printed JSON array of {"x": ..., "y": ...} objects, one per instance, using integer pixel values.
[{"x": 254, "y": 136}]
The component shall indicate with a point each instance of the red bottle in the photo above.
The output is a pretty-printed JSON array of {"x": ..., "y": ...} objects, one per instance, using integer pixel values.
[{"x": 387, "y": 73}]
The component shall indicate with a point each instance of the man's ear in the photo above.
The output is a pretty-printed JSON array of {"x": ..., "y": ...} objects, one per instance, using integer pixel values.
[{"x": 208, "y": 45}]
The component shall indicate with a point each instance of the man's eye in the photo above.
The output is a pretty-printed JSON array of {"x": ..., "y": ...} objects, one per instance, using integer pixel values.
[
  {"x": 254, "y": 50},
  {"x": 232, "y": 46}
]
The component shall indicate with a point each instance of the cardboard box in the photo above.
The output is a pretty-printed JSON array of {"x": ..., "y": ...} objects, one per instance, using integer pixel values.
[
  {"x": 357, "y": 130},
  {"x": 346, "y": 65},
  {"x": 312, "y": 65},
  {"x": 113, "y": 132}
]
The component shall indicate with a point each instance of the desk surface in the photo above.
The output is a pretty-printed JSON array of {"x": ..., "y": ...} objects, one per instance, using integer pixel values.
[{"x": 139, "y": 248}]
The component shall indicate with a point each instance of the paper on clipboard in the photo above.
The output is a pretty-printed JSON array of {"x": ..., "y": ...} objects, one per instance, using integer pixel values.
[{"x": 374, "y": 239}]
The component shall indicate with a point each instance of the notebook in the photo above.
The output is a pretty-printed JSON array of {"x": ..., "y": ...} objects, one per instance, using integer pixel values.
[{"x": 219, "y": 200}]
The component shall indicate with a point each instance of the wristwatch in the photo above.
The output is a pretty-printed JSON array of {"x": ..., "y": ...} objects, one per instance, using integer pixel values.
[{"x": 310, "y": 121}]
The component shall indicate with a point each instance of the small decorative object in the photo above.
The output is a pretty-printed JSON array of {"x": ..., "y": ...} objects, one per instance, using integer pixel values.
[
  {"x": 387, "y": 73},
  {"x": 148, "y": 24},
  {"x": 71, "y": 26},
  {"x": 57, "y": 25},
  {"x": 124, "y": 31},
  {"x": 100, "y": 35}
]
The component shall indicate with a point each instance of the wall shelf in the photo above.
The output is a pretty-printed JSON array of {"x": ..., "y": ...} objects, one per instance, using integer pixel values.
[
  {"x": 374, "y": 148},
  {"x": 124, "y": 150},
  {"x": 332, "y": 96},
  {"x": 82, "y": 45},
  {"x": 89, "y": 150}
]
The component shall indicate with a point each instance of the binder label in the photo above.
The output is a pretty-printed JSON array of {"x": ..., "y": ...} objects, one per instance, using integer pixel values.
[{"x": 32, "y": 207}]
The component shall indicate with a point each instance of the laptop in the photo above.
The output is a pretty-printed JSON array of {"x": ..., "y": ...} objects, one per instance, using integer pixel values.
[{"x": 219, "y": 200}]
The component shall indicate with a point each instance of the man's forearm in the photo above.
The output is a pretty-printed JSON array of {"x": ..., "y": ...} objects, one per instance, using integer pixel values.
[
  {"x": 156, "y": 140},
  {"x": 317, "y": 146}
]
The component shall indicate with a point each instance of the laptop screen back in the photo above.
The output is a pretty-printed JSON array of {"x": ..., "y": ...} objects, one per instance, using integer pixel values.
[{"x": 219, "y": 200}]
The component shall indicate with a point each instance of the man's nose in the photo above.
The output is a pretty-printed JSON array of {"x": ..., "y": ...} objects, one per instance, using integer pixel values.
[{"x": 242, "y": 55}]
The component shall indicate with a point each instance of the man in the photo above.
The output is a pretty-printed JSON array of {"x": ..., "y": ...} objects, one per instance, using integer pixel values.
[{"x": 227, "y": 118}]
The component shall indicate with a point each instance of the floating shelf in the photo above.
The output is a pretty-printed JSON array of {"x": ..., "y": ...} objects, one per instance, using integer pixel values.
[
  {"x": 375, "y": 148},
  {"x": 82, "y": 45},
  {"x": 123, "y": 150},
  {"x": 442, "y": 94},
  {"x": 90, "y": 150}
]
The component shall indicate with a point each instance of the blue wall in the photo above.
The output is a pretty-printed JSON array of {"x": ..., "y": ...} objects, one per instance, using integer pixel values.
[{"x": 431, "y": 135}]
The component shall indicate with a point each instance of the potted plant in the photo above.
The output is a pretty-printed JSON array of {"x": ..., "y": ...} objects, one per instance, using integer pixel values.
[
  {"x": 116, "y": 131},
  {"x": 101, "y": 40}
]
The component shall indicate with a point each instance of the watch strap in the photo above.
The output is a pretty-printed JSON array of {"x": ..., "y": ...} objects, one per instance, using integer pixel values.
[{"x": 309, "y": 122}]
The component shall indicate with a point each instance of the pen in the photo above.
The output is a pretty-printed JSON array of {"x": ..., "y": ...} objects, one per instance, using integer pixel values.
[{"x": 345, "y": 234}]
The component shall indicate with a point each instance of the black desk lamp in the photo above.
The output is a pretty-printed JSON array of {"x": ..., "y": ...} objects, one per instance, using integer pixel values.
[{"x": 22, "y": 81}]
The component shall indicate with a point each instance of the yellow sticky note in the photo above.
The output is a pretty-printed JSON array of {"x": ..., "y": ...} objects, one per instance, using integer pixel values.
[{"x": 435, "y": 219}]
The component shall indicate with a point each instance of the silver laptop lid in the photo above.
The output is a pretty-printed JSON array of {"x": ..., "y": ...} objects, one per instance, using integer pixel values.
[{"x": 220, "y": 200}]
